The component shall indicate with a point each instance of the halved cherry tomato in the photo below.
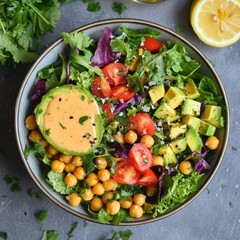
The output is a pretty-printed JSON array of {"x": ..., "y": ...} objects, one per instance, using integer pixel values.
[
  {"x": 101, "y": 88},
  {"x": 126, "y": 173},
  {"x": 148, "y": 179},
  {"x": 106, "y": 107},
  {"x": 122, "y": 92},
  {"x": 142, "y": 123},
  {"x": 115, "y": 73},
  {"x": 140, "y": 157},
  {"x": 152, "y": 44}
]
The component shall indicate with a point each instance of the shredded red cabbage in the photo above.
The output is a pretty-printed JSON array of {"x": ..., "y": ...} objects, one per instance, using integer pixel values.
[
  {"x": 136, "y": 99},
  {"x": 119, "y": 150},
  {"x": 68, "y": 73},
  {"x": 39, "y": 90},
  {"x": 104, "y": 54},
  {"x": 200, "y": 162}
]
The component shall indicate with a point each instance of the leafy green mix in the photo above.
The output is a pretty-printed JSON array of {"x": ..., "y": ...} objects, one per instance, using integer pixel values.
[{"x": 171, "y": 64}]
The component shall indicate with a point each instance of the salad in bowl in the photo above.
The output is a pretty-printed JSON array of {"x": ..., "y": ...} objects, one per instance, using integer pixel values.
[{"x": 126, "y": 127}]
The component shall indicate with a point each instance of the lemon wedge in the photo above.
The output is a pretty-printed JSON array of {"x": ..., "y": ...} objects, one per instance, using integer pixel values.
[{"x": 216, "y": 22}]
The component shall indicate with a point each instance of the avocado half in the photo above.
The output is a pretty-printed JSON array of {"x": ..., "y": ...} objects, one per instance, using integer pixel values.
[{"x": 69, "y": 119}]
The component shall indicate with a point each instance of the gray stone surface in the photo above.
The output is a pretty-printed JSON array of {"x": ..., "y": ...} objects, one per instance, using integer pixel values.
[{"x": 215, "y": 214}]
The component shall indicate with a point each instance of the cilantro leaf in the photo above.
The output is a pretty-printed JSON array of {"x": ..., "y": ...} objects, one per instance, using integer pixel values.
[{"x": 119, "y": 8}]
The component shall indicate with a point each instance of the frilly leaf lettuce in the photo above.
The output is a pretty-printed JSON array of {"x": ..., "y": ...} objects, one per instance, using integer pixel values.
[{"x": 178, "y": 189}]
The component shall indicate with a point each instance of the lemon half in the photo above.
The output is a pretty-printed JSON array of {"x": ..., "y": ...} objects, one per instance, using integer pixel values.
[{"x": 216, "y": 22}]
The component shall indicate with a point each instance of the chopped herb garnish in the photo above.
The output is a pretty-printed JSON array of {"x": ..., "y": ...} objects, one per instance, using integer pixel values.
[
  {"x": 48, "y": 131},
  {"x": 119, "y": 8},
  {"x": 85, "y": 223},
  {"x": 83, "y": 119},
  {"x": 49, "y": 235},
  {"x": 122, "y": 235},
  {"x": 63, "y": 127},
  {"x": 230, "y": 204},
  {"x": 92, "y": 5},
  {"x": 3, "y": 235},
  {"x": 234, "y": 148},
  {"x": 41, "y": 216},
  {"x": 14, "y": 182},
  {"x": 70, "y": 233},
  {"x": 180, "y": 28},
  {"x": 82, "y": 97}
]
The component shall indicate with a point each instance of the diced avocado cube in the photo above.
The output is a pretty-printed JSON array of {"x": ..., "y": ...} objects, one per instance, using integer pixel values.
[
  {"x": 166, "y": 113},
  {"x": 213, "y": 115},
  {"x": 169, "y": 156},
  {"x": 177, "y": 129},
  {"x": 178, "y": 145},
  {"x": 191, "y": 90},
  {"x": 156, "y": 92},
  {"x": 174, "y": 97},
  {"x": 191, "y": 107},
  {"x": 206, "y": 129},
  {"x": 192, "y": 121},
  {"x": 193, "y": 139}
]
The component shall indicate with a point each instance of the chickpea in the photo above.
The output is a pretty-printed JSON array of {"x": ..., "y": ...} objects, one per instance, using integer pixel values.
[
  {"x": 69, "y": 167},
  {"x": 49, "y": 155},
  {"x": 98, "y": 189},
  {"x": 92, "y": 179},
  {"x": 139, "y": 199},
  {"x": 30, "y": 122},
  {"x": 110, "y": 185},
  {"x": 70, "y": 180},
  {"x": 104, "y": 175},
  {"x": 147, "y": 140},
  {"x": 113, "y": 207},
  {"x": 157, "y": 160},
  {"x": 35, "y": 136},
  {"x": 130, "y": 137},
  {"x": 77, "y": 161},
  {"x": 126, "y": 203},
  {"x": 96, "y": 204},
  {"x": 87, "y": 194},
  {"x": 119, "y": 137},
  {"x": 74, "y": 199},
  {"x": 51, "y": 150},
  {"x": 107, "y": 196},
  {"x": 135, "y": 211},
  {"x": 185, "y": 167},
  {"x": 44, "y": 143},
  {"x": 57, "y": 166},
  {"x": 151, "y": 190},
  {"x": 79, "y": 173},
  {"x": 101, "y": 162},
  {"x": 65, "y": 158},
  {"x": 212, "y": 142}
]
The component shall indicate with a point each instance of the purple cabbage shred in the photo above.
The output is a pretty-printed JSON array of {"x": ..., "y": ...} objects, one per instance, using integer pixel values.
[
  {"x": 136, "y": 99},
  {"x": 200, "y": 162},
  {"x": 119, "y": 150},
  {"x": 104, "y": 54},
  {"x": 39, "y": 90},
  {"x": 68, "y": 73}
]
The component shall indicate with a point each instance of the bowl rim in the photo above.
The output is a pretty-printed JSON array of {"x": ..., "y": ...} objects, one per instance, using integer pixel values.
[{"x": 145, "y": 23}]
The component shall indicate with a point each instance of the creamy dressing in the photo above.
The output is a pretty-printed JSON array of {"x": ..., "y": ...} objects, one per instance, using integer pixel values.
[{"x": 70, "y": 121}]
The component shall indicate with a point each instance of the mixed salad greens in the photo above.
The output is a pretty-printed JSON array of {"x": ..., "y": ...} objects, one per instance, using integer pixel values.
[{"x": 160, "y": 117}]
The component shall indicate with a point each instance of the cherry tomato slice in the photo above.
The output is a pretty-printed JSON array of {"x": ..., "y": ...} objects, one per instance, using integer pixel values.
[
  {"x": 106, "y": 108},
  {"x": 115, "y": 73},
  {"x": 140, "y": 157},
  {"x": 122, "y": 92},
  {"x": 101, "y": 88},
  {"x": 152, "y": 44},
  {"x": 142, "y": 123},
  {"x": 126, "y": 173},
  {"x": 148, "y": 179}
]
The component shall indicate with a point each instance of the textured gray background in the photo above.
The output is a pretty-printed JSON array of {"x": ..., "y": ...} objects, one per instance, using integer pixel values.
[{"x": 215, "y": 214}]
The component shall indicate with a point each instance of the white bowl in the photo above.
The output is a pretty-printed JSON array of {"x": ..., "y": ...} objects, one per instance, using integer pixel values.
[{"x": 24, "y": 107}]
